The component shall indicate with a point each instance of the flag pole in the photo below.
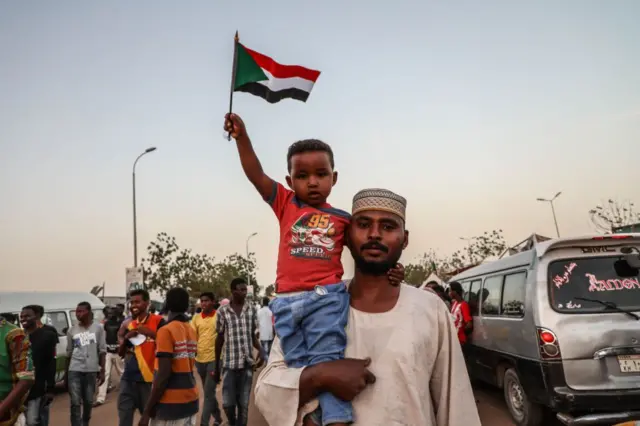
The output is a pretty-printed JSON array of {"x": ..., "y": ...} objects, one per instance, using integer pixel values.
[{"x": 233, "y": 75}]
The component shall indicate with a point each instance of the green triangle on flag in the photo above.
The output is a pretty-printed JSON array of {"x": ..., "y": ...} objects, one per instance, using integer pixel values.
[{"x": 247, "y": 70}]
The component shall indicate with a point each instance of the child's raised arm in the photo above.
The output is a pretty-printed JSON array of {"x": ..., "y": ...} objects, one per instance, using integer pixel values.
[{"x": 248, "y": 158}]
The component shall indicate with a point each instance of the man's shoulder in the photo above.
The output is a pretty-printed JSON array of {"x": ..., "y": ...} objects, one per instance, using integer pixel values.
[
  {"x": 421, "y": 299},
  {"x": 155, "y": 317},
  {"x": 14, "y": 332},
  {"x": 169, "y": 328},
  {"x": 49, "y": 328}
]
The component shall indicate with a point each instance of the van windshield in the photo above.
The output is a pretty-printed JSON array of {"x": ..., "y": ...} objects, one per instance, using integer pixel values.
[{"x": 571, "y": 280}]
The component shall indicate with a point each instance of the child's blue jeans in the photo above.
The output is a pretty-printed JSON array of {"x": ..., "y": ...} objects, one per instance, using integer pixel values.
[{"x": 311, "y": 328}]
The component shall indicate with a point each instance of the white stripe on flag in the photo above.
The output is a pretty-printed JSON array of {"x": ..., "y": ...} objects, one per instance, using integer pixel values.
[{"x": 277, "y": 84}]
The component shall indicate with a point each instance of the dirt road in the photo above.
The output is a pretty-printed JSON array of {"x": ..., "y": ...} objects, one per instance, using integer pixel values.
[{"x": 490, "y": 404}]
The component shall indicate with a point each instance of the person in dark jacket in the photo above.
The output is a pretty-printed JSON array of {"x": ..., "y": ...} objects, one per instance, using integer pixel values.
[
  {"x": 113, "y": 361},
  {"x": 43, "y": 350}
]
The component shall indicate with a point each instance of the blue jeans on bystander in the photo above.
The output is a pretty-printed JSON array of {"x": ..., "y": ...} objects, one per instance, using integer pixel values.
[
  {"x": 82, "y": 387},
  {"x": 236, "y": 393}
]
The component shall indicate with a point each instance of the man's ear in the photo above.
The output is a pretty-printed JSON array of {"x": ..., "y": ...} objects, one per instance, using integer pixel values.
[
  {"x": 289, "y": 182},
  {"x": 406, "y": 240},
  {"x": 347, "y": 238},
  {"x": 335, "y": 178}
]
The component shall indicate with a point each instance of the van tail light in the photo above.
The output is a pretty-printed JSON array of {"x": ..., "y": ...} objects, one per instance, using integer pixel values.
[
  {"x": 548, "y": 344},
  {"x": 611, "y": 237}
]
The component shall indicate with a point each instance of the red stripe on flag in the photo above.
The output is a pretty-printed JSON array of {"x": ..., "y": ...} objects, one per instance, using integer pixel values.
[{"x": 282, "y": 71}]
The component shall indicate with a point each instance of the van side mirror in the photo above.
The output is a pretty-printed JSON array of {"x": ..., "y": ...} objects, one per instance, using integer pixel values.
[{"x": 631, "y": 259}]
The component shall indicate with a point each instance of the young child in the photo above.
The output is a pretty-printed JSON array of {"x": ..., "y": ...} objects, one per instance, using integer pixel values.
[{"x": 312, "y": 306}]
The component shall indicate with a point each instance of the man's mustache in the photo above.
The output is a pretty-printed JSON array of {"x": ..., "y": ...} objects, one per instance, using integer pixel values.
[{"x": 374, "y": 246}]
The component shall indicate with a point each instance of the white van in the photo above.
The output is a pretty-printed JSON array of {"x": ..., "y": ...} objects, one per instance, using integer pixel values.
[
  {"x": 59, "y": 308},
  {"x": 558, "y": 329}
]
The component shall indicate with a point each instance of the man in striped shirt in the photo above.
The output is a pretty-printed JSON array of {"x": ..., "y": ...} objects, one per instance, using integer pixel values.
[
  {"x": 236, "y": 326},
  {"x": 174, "y": 396}
]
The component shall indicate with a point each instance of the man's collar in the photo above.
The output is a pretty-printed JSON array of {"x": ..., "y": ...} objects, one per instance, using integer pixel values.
[
  {"x": 245, "y": 306},
  {"x": 144, "y": 318},
  {"x": 177, "y": 317},
  {"x": 203, "y": 314}
]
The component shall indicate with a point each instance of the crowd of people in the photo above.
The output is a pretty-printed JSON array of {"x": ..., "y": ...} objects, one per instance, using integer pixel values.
[{"x": 154, "y": 356}]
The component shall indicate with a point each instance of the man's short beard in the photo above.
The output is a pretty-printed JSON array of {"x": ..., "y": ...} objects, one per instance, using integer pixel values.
[{"x": 379, "y": 267}]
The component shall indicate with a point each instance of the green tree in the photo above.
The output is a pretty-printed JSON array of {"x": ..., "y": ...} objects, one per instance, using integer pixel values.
[
  {"x": 167, "y": 266},
  {"x": 417, "y": 272},
  {"x": 613, "y": 214},
  {"x": 478, "y": 249}
]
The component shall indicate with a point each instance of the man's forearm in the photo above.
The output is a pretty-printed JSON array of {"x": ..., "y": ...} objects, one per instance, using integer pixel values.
[
  {"x": 219, "y": 343},
  {"x": 16, "y": 395},
  {"x": 311, "y": 384},
  {"x": 51, "y": 375},
  {"x": 159, "y": 385},
  {"x": 256, "y": 344}
]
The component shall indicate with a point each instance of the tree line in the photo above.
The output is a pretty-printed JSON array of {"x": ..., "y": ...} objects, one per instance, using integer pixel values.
[
  {"x": 605, "y": 218},
  {"x": 167, "y": 265}
]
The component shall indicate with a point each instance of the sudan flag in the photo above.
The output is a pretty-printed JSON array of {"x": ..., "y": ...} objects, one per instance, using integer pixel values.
[{"x": 260, "y": 75}]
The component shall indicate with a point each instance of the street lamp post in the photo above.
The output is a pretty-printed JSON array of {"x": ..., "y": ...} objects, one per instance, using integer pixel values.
[
  {"x": 135, "y": 224},
  {"x": 468, "y": 240},
  {"x": 553, "y": 210},
  {"x": 247, "y": 248}
]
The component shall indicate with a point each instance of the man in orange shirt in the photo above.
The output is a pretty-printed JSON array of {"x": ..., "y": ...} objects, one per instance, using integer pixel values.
[
  {"x": 135, "y": 383},
  {"x": 174, "y": 396}
]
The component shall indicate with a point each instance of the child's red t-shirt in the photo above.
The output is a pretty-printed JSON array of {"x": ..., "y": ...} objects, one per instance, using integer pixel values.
[{"x": 311, "y": 242}]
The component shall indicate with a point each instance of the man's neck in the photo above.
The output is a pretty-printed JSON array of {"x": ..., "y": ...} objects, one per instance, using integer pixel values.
[
  {"x": 31, "y": 330},
  {"x": 142, "y": 315},
  {"x": 85, "y": 324},
  {"x": 207, "y": 311},
  {"x": 373, "y": 293}
]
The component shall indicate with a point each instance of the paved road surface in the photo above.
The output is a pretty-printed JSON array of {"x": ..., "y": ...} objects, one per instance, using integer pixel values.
[{"x": 490, "y": 404}]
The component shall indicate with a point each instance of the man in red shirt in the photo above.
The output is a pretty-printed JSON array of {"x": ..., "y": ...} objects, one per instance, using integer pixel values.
[{"x": 461, "y": 312}]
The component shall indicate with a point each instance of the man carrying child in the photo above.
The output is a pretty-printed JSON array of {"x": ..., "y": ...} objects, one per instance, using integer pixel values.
[{"x": 312, "y": 306}]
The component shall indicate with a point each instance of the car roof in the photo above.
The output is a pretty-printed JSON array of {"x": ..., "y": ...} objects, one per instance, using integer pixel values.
[{"x": 14, "y": 301}]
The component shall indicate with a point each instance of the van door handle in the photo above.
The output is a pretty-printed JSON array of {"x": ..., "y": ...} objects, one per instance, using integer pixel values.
[{"x": 615, "y": 351}]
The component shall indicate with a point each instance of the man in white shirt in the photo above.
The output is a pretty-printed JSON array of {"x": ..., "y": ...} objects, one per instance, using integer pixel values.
[
  {"x": 265, "y": 327},
  {"x": 403, "y": 364}
]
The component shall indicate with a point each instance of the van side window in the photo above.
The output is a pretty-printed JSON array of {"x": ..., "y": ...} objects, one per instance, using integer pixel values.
[
  {"x": 513, "y": 294},
  {"x": 56, "y": 319},
  {"x": 465, "y": 290},
  {"x": 491, "y": 295},
  {"x": 473, "y": 297}
]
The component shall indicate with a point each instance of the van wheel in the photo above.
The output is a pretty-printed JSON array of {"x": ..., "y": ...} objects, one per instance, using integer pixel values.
[{"x": 524, "y": 413}]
